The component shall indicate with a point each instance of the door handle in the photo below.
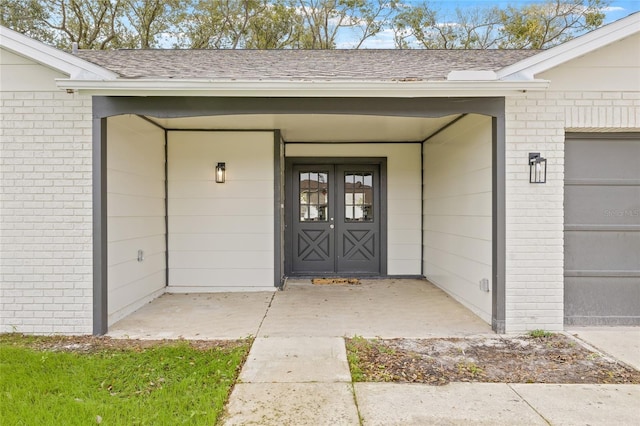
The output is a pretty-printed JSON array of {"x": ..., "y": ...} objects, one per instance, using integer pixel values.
[{"x": 331, "y": 226}]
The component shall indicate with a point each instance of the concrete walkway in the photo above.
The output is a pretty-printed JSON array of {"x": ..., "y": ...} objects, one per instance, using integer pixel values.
[
  {"x": 306, "y": 381},
  {"x": 297, "y": 371},
  {"x": 622, "y": 343}
]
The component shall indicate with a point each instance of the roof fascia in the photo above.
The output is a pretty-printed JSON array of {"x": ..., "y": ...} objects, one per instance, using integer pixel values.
[
  {"x": 54, "y": 58},
  {"x": 528, "y": 68},
  {"x": 172, "y": 87}
]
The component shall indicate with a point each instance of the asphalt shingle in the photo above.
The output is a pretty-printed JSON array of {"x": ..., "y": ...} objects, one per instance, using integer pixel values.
[{"x": 301, "y": 65}]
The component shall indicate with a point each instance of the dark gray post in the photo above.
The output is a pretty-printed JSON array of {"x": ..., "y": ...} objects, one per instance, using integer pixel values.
[
  {"x": 100, "y": 319},
  {"x": 277, "y": 209},
  {"x": 498, "y": 226}
]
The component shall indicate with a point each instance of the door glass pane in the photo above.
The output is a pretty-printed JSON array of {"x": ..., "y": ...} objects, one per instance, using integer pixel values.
[
  {"x": 358, "y": 196},
  {"x": 314, "y": 196}
]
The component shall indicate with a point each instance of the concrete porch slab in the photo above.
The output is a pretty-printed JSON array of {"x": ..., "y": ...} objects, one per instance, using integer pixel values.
[
  {"x": 384, "y": 308},
  {"x": 277, "y": 404},
  {"x": 296, "y": 360},
  {"x": 454, "y": 404},
  {"x": 196, "y": 316}
]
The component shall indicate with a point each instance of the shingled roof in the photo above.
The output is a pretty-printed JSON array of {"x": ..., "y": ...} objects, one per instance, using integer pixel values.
[{"x": 301, "y": 65}]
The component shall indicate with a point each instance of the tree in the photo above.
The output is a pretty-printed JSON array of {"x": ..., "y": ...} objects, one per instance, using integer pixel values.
[
  {"x": 534, "y": 26},
  {"x": 539, "y": 26},
  {"x": 26, "y": 17},
  {"x": 307, "y": 24},
  {"x": 477, "y": 28},
  {"x": 93, "y": 24},
  {"x": 279, "y": 26},
  {"x": 324, "y": 19},
  {"x": 220, "y": 24},
  {"x": 147, "y": 20},
  {"x": 373, "y": 17},
  {"x": 417, "y": 23}
]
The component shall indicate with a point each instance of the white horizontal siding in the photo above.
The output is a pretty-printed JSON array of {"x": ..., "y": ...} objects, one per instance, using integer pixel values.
[
  {"x": 221, "y": 259},
  {"x": 190, "y": 189},
  {"x": 136, "y": 214},
  {"x": 465, "y": 246},
  {"x": 119, "y": 250},
  {"x": 220, "y": 224},
  {"x": 130, "y": 205},
  {"x": 207, "y": 279},
  {"x": 127, "y": 228},
  {"x": 469, "y": 226},
  {"x": 457, "y": 211},
  {"x": 128, "y": 274},
  {"x": 408, "y": 207},
  {"x": 221, "y": 236},
  {"x": 20, "y": 74},
  {"x": 146, "y": 185},
  {"x": 233, "y": 241},
  {"x": 404, "y": 186},
  {"x": 215, "y": 207},
  {"x": 614, "y": 68}
]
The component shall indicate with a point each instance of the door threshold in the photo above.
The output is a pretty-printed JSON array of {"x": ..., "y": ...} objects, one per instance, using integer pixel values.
[{"x": 360, "y": 276}]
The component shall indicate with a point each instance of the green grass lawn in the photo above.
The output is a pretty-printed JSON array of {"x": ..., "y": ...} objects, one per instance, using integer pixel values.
[{"x": 160, "y": 384}]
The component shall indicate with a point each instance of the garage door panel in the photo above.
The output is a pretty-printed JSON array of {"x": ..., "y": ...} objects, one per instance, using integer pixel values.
[
  {"x": 602, "y": 251},
  {"x": 603, "y": 204},
  {"x": 602, "y": 158},
  {"x": 601, "y": 300},
  {"x": 602, "y": 229}
]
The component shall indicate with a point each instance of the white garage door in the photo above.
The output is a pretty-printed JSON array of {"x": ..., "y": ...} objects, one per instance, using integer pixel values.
[{"x": 602, "y": 229}]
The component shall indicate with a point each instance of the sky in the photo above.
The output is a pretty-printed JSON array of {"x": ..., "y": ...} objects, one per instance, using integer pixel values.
[{"x": 617, "y": 9}]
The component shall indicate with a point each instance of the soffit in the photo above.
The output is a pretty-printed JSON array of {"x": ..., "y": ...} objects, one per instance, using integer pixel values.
[{"x": 319, "y": 127}]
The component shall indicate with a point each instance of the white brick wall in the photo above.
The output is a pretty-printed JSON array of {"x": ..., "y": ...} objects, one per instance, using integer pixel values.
[
  {"x": 45, "y": 213},
  {"x": 534, "y": 218}
]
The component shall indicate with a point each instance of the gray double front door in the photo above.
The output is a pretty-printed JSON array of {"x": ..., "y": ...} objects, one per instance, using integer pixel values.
[{"x": 334, "y": 219}]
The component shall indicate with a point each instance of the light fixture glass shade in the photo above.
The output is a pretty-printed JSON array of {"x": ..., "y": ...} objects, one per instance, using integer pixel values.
[
  {"x": 220, "y": 172},
  {"x": 537, "y": 168}
]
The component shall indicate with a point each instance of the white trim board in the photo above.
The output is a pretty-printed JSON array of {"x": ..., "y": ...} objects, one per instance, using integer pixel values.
[{"x": 198, "y": 87}]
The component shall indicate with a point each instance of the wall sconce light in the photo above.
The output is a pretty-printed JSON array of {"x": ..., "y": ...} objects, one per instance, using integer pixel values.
[
  {"x": 221, "y": 172},
  {"x": 537, "y": 168}
]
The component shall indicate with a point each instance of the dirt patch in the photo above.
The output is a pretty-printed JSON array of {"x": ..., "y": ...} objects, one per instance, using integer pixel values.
[
  {"x": 554, "y": 358},
  {"x": 93, "y": 344}
]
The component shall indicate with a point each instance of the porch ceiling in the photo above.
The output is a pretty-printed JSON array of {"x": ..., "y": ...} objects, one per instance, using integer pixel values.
[{"x": 319, "y": 127}]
